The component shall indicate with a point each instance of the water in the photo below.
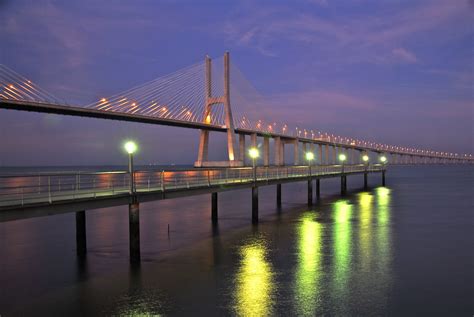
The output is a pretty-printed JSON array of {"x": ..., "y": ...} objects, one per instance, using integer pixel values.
[{"x": 401, "y": 250}]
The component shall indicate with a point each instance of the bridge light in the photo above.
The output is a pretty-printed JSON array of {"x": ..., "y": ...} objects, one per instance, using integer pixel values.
[
  {"x": 342, "y": 157},
  {"x": 103, "y": 100},
  {"x": 383, "y": 159},
  {"x": 130, "y": 147},
  {"x": 365, "y": 158},
  {"x": 253, "y": 152},
  {"x": 309, "y": 156}
]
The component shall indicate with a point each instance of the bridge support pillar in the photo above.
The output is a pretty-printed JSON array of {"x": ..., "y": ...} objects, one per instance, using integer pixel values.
[
  {"x": 266, "y": 151},
  {"x": 81, "y": 238},
  {"x": 343, "y": 184},
  {"x": 254, "y": 204},
  {"x": 253, "y": 139},
  {"x": 310, "y": 192},
  {"x": 296, "y": 152},
  {"x": 279, "y": 195},
  {"x": 242, "y": 148},
  {"x": 383, "y": 178},
  {"x": 214, "y": 207},
  {"x": 318, "y": 189},
  {"x": 277, "y": 149},
  {"x": 366, "y": 184},
  {"x": 134, "y": 231},
  {"x": 320, "y": 154}
]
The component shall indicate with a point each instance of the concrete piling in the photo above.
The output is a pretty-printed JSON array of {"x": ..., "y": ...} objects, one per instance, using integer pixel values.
[
  {"x": 134, "y": 231},
  {"x": 214, "y": 207},
  {"x": 81, "y": 238},
  {"x": 254, "y": 204}
]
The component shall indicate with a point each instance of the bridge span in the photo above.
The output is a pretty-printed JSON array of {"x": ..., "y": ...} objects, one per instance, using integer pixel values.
[{"x": 24, "y": 196}]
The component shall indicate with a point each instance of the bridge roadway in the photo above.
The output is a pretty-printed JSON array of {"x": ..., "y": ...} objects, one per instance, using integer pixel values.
[
  {"x": 40, "y": 194},
  {"x": 41, "y": 107}
]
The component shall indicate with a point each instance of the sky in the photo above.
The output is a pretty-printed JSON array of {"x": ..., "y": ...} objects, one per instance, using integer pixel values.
[{"x": 394, "y": 72}]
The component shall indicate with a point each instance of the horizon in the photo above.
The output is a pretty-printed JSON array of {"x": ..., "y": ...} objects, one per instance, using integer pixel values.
[{"x": 403, "y": 80}]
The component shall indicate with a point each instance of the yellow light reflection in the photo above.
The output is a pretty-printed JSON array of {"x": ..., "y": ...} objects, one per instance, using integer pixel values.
[
  {"x": 383, "y": 204},
  {"x": 342, "y": 246},
  {"x": 365, "y": 228},
  {"x": 254, "y": 281},
  {"x": 308, "y": 271}
]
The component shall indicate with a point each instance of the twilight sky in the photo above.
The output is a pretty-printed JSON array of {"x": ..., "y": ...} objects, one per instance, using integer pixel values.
[{"x": 397, "y": 72}]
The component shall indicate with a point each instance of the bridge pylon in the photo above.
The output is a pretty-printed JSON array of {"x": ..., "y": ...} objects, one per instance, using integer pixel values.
[{"x": 211, "y": 101}]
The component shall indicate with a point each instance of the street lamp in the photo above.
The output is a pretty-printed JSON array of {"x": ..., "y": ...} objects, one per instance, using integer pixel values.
[
  {"x": 253, "y": 153},
  {"x": 131, "y": 147},
  {"x": 309, "y": 158},
  {"x": 365, "y": 158},
  {"x": 383, "y": 159},
  {"x": 342, "y": 158}
]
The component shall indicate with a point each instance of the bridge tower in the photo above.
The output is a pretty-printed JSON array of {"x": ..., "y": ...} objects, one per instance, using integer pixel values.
[{"x": 224, "y": 101}]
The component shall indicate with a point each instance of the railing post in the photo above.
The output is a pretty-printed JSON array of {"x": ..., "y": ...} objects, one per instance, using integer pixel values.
[
  {"x": 49, "y": 189},
  {"x": 163, "y": 181},
  {"x": 208, "y": 178}
]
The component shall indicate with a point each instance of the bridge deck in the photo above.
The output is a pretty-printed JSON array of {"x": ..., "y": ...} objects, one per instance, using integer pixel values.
[{"x": 30, "y": 195}]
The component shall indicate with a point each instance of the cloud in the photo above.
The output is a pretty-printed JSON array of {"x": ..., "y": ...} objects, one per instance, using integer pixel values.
[
  {"x": 364, "y": 38},
  {"x": 404, "y": 55}
]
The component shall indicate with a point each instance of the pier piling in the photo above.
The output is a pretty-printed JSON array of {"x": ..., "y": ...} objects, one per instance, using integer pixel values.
[
  {"x": 278, "y": 195},
  {"x": 81, "y": 238},
  {"x": 310, "y": 192},
  {"x": 214, "y": 207},
  {"x": 134, "y": 231},
  {"x": 254, "y": 204},
  {"x": 318, "y": 189}
]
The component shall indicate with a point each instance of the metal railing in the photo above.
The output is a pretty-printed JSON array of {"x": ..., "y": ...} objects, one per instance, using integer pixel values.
[{"x": 20, "y": 190}]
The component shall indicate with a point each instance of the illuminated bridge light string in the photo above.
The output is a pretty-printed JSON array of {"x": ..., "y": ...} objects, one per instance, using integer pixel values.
[{"x": 15, "y": 87}]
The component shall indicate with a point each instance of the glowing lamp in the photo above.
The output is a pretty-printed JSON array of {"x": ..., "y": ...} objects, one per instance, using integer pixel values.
[
  {"x": 309, "y": 156},
  {"x": 342, "y": 157},
  {"x": 253, "y": 152},
  {"x": 130, "y": 147},
  {"x": 383, "y": 159},
  {"x": 365, "y": 158}
]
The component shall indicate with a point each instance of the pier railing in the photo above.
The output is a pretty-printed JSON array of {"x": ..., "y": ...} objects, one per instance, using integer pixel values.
[{"x": 19, "y": 190}]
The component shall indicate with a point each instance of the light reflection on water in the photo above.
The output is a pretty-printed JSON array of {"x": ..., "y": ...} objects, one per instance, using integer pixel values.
[
  {"x": 308, "y": 268},
  {"x": 254, "y": 284},
  {"x": 342, "y": 245}
]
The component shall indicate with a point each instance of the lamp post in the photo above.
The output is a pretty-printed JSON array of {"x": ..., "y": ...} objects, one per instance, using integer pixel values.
[
  {"x": 383, "y": 159},
  {"x": 342, "y": 158},
  {"x": 365, "y": 158},
  {"x": 131, "y": 147},
  {"x": 253, "y": 153},
  {"x": 309, "y": 158}
]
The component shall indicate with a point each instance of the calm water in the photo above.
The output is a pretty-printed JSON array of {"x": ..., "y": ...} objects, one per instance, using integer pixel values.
[{"x": 406, "y": 249}]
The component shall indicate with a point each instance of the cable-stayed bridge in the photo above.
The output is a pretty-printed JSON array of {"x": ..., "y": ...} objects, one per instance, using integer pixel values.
[{"x": 210, "y": 97}]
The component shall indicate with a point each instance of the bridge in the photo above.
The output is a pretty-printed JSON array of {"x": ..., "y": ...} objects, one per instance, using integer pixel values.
[{"x": 190, "y": 98}]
